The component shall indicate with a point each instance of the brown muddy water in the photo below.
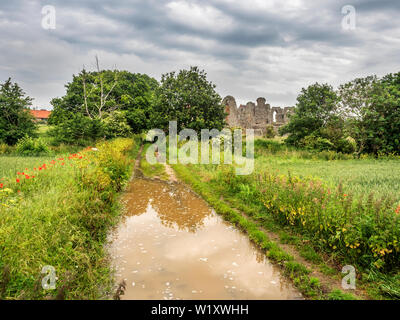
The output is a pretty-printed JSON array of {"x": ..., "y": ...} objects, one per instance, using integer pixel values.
[{"x": 172, "y": 245}]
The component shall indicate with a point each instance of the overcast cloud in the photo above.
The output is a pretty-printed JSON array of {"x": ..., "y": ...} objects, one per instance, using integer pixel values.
[{"x": 252, "y": 48}]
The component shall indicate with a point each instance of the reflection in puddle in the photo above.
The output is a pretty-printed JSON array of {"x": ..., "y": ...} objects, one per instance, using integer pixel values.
[{"x": 171, "y": 245}]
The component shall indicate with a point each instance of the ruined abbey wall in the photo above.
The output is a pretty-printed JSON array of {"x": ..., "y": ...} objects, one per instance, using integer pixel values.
[{"x": 255, "y": 116}]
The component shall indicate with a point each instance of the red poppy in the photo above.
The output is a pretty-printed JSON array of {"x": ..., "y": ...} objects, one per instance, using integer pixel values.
[
  {"x": 18, "y": 180},
  {"x": 1, "y": 186}
]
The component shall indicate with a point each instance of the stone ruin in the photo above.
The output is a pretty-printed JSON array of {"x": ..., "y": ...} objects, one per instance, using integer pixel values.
[{"x": 255, "y": 116}]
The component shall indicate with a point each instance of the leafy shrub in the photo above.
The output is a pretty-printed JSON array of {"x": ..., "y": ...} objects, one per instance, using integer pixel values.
[
  {"x": 347, "y": 145},
  {"x": 5, "y": 148},
  {"x": 116, "y": 125},
  {"x": 28, "y": 146},
  {"x": 313, "y": 142},
  {"x": 77, "y": 129},
  {"x": 270, "y": 132}
]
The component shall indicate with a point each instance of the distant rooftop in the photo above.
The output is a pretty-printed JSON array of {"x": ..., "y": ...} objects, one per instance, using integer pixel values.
[{"x": 41, "y": 114}]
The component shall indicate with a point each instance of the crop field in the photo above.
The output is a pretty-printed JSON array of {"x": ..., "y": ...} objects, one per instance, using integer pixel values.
[{"x": 346, "y": 210}]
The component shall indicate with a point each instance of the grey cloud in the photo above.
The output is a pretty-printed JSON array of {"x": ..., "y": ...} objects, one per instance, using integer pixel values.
[{"x": 270, "y": 52}]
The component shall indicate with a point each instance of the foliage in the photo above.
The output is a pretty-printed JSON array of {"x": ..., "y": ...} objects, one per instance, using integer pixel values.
[
  {"x": 28, "y": 146},
  {"x": 364, "y": 231},
  {"x": 314, "y": 114},
  {"x": 58, "y": 213},
  {"x": 191, "y": 99},
  {"x": 134, "y": 94},
  {"x": 313, "y": 142},
  {"x": 15, "y": 119},
  {"x": 375, "y": 122},
  {"x": 363, "y": 116},
  {"x": 77, "y": 129},
  {"x": 270, "y": 132},
  {"x": 5, "y": 148},
  {"x": 116, "y": 125}
]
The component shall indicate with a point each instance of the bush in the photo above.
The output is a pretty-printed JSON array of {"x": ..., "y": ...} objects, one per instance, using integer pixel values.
[
  {"x": 313, "y": 142},
  {"x": 270, "y": 132},
  {"x": 28, "y": 146},
  {"x": 78, "y": 129},
  {"x": 116, "y": 125},
  {"x": 5, "y": 148},
  {"x": 347, "y": 145}
]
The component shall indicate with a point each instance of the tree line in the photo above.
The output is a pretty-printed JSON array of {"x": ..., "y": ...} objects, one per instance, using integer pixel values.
[{"x": 361, "y": 116}]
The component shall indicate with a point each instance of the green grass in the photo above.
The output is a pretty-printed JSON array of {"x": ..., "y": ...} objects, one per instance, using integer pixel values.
[
  {"x": 10, "y": 165},
  {"x": 152, "y": 170},
  {"x": 61, "y": 218},
  {"x": 358, "y": 176},
  {"x": 337, "y": 213}
]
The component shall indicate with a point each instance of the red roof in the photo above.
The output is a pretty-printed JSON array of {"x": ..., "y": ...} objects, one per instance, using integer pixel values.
[{"x": 41, "y": 114}]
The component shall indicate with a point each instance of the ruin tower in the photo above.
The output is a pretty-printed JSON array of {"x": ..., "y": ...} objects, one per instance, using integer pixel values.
[
  {"x": 255, "y": 116},
  {"x": 232, "y": 119}
]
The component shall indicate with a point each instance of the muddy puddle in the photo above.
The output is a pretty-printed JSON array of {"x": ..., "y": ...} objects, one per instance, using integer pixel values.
[{"x": 171, "y": 245}]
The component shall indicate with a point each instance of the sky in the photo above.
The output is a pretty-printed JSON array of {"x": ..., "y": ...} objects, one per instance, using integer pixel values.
[{"x": 249, "y": 49}]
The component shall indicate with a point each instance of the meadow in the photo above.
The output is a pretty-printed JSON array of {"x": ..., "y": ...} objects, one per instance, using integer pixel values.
[
  {"x": 56, "y": 211},
  {"x": 335, "y": 209},
  {"x": 357, "y": 176}
]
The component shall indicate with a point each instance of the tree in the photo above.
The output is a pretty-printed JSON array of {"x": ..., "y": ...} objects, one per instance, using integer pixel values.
[
  {"x": 189, "y": 98},
  {"x": 315, "y": 114},
  {"x": 115, "y": 125},
  {"x": 381, "y": 119},
  {"x": 15, "y": 118},
  {"x": 373, "y": 112},
  {"x": 97, "y": 94},
  {"x": 355, "y": 100}
]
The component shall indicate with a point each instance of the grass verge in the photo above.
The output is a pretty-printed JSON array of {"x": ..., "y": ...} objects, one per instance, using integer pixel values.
[
  {"x": 57, "y": 213},
  {"x": 309, "y": 286}
]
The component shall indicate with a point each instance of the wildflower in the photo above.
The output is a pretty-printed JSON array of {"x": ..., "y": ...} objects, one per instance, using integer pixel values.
[
  {"x": 398, "y": 210},
  {"x": 18, "y": 180},
  {"x": 345, "y": 195},
  {"x": 1, "y": 186}
]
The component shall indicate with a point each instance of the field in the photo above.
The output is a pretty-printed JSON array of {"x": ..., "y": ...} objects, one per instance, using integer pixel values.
[
  {"x": 55, "y": 211},
  {"x": 332, "y": 209},
  {"x": 380, "y": 176}
]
